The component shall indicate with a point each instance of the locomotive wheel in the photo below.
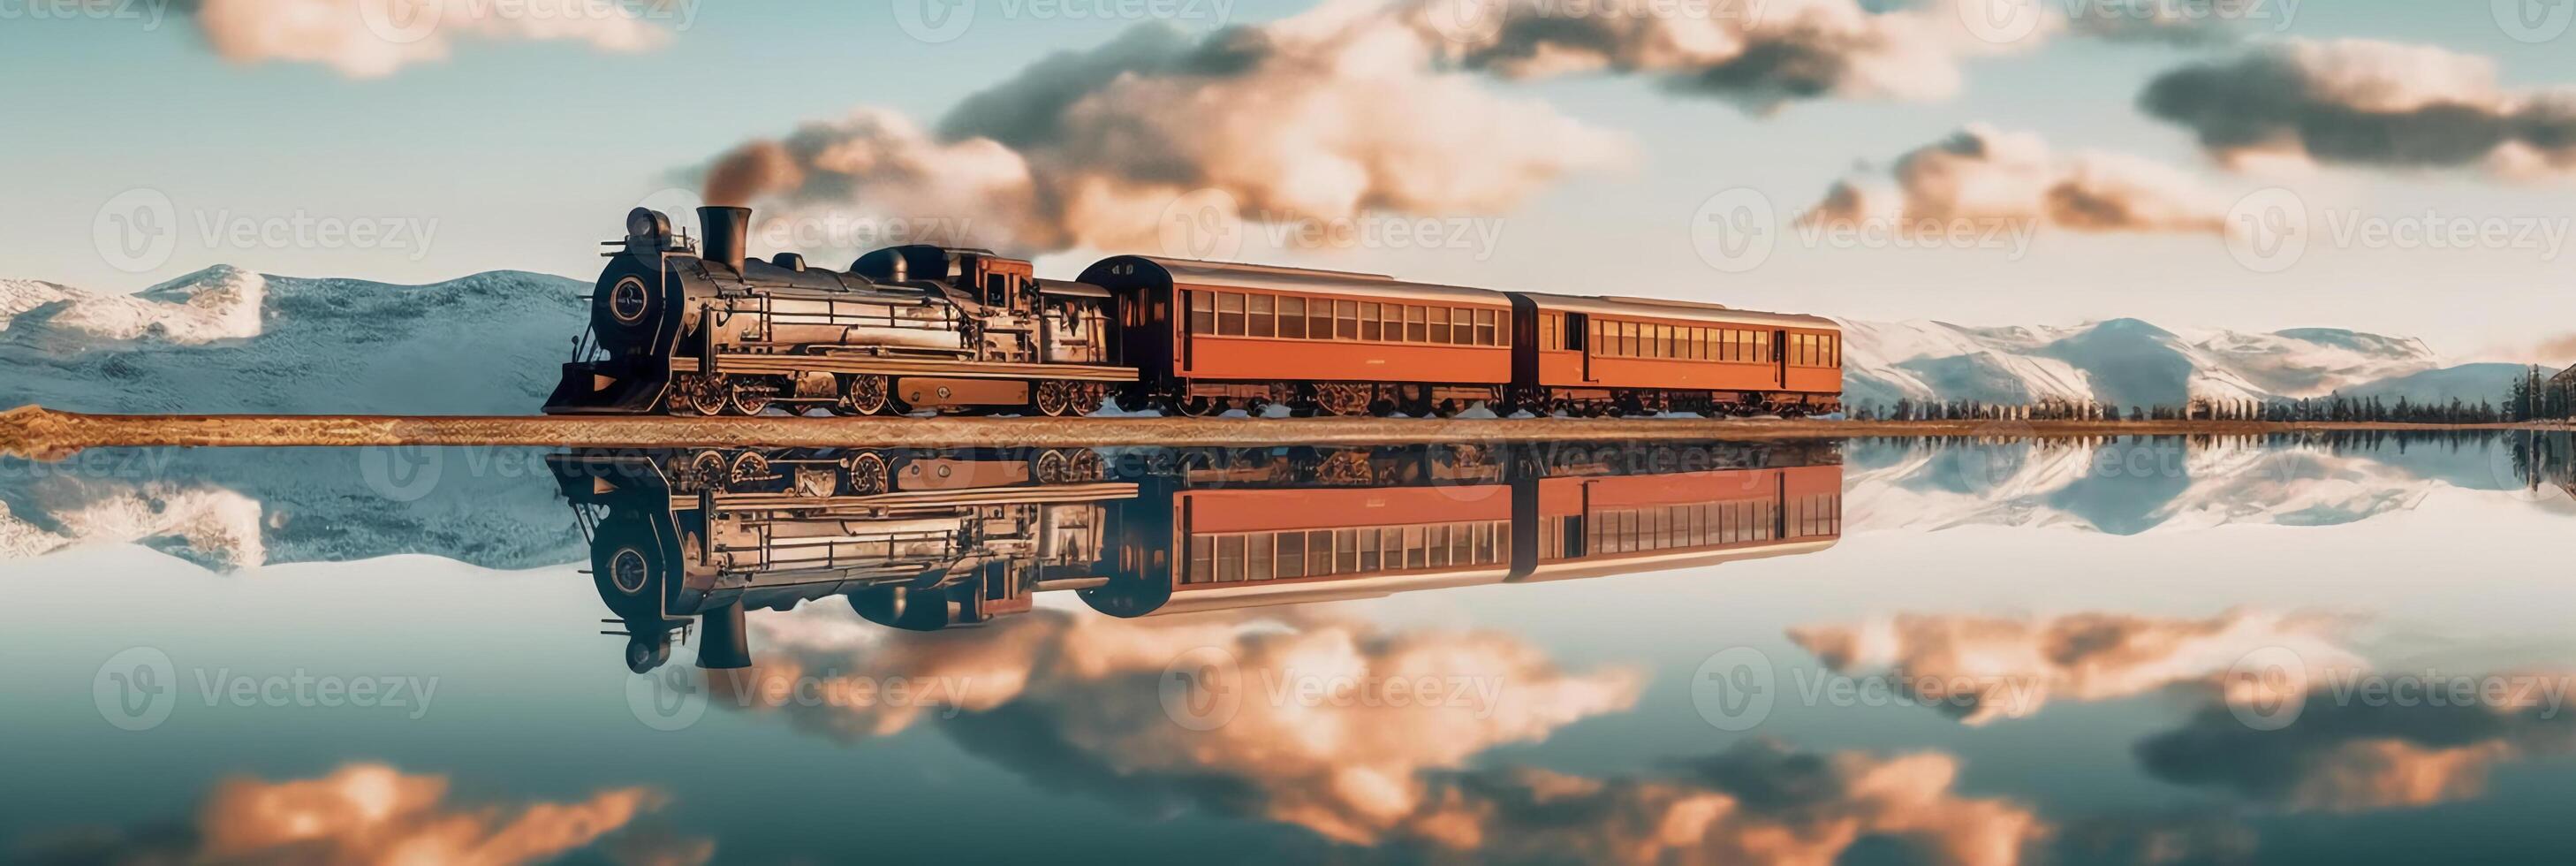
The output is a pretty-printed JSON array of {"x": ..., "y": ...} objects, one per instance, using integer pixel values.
[
  {"x": 1055, "y": 398},
  {"x": 1199, "y": 407},
  {"x": 748, "y": 469},
  {"x": 866, "y": 474},
  {"x": 1052, "y": 467},
  {"x": 1343, "y": 398},
  {"x": 1084, "y": 465},
  {"x": 705, "y": 471},
  {"x": 700, "y": 394},
  {"x": 862, "y": 395},
  {"x": 748, "y": 399}
]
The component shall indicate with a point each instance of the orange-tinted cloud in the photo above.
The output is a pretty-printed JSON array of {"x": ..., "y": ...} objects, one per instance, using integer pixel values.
[
  {"x": 1760, "y": 803},
  {"x": 2343, "y": 755},
  {"x": 1985, "y": 668},
  {"x": 368, "y": 813},
  {"x": 1321, "y": 722},
  {"x": 1991, "y": 175},
  {"x": 1319, "y": 117},
  {"x": 372, "y": 38}
]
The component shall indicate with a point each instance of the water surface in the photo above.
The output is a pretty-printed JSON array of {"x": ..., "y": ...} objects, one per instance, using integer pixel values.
[{"x": 2280, "y": 650}]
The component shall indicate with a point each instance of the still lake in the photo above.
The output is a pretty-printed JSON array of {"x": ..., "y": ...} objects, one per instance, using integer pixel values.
[{"x": 2297, "y": 649}]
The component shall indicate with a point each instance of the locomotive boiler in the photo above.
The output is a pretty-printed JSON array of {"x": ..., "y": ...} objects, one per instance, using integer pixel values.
[{"x": 706, "y": 331}]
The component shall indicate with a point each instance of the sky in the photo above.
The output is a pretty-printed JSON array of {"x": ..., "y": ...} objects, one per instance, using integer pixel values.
[{"x": 290, "y": 138}]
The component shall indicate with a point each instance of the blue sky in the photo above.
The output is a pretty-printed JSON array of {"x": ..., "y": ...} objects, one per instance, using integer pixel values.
[{"x": 525, "y": 153}]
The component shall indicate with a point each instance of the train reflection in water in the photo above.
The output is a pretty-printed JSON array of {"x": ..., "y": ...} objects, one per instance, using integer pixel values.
[{"x": 928, "y": 540}]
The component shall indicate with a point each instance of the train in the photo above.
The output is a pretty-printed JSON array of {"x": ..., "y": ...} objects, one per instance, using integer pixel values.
[
  {"x": 695, "y": 328},
  {"x": 966, "y": 537}
]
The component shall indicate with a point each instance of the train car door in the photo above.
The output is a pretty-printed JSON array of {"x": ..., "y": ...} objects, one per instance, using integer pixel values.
[
  {"x": 1780, "y": 359},
  {"x": 1185, "y": 337},
  {"x": 1578, "y": 334}
]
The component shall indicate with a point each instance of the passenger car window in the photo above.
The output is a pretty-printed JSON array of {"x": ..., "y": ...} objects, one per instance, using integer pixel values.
[{"x": 1229, "y": 314}]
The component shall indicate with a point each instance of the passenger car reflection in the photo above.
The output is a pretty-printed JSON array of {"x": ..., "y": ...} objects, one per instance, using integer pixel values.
[{"x": 928, "y": 540}]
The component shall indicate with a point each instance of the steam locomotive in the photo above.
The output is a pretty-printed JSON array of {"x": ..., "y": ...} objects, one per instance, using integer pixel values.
[
  {"x": 913, "y": 328},
  {"x": 961, "y": 538}
]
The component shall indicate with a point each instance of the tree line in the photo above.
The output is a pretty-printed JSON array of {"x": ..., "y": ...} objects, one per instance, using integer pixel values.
[{"x": 2555, "y": 402}]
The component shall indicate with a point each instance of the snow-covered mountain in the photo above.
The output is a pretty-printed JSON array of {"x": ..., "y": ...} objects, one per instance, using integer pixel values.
[
  {"x": 2127, "y": 362},
  {"x": 2132, "y": 485},
  {"x": 228, "y": 340}
]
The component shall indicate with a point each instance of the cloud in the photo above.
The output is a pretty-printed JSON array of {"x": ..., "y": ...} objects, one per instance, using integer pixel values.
[
  {"x": 1985, "y": 668},
  {"x": 1761, "y": 802},
  {"x": 1078, "y": 702},
  {"x": 2355, "y": 102},
  {"x": 1986, "y": 174},
  {"x": 1759, "y": 55},
  {"x": 1764, "y": 54},
  {"x": 2351, "y": 755},
  {"x": 2184, "y": 23},
  {"x": 374, "y": 38},
  {"x": 363, "y": 813},
  {"x": 1351, "y": 108},
  {"x": 1310, "y": 118},
  {"x": 2555, "y": 352}
]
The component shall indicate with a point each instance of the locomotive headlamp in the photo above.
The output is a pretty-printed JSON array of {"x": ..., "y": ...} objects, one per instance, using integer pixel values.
[{"x": 629, "y": 300}]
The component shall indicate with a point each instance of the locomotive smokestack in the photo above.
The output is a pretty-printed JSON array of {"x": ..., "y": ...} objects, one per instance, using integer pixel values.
[
  {"x": 726, "y": 227},
  {"x": 722, "y": 643}
]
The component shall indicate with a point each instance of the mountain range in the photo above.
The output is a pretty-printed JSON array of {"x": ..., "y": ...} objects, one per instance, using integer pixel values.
[{"x": 2127, "y": 362}]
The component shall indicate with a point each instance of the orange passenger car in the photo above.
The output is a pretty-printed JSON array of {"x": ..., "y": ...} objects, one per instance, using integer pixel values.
[
  {"x": 1234, "y": 546},
  {"x": 1598, "y": 356},
  {"x": 1206, "y": 337}
]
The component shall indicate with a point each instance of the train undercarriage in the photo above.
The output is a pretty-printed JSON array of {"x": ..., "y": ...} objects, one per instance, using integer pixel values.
[
  {"x": 838, "y": 472},
  {"x": 1419, "y": 400}
]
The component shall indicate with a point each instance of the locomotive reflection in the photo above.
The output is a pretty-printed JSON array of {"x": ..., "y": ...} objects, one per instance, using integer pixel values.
[{"x": 929, "y": 540}]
